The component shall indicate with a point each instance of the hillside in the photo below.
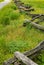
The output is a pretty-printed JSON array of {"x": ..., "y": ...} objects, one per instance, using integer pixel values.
[{"x": 15, "y": 37}]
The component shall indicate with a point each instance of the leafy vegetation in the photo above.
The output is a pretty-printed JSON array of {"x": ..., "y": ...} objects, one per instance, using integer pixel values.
[{"x": 15, "y": 37}]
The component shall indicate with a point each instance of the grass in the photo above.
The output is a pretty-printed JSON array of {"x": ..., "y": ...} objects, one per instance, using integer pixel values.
[
  {"x": 15, "y": 37},
  {"x": 1, "y": 0}
]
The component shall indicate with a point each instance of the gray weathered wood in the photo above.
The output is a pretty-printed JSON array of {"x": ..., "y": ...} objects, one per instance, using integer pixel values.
[
  {"x": 24, "y": 59},
  {"x": 16, "y": 63},
  {"x": 34, "y": 15},
  {"x": 18, "y": 2},
  {"x": 27, "y": 53},
  {"x": 35, "y": 25},
  {"x": 10, "y": 61},
  {"x": 36, "y": 49},
  {"x": 20, "y": 5}
]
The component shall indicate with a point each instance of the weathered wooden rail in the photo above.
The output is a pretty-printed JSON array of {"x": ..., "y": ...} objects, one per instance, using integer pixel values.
[
  {"x": 31, "y": 53},
  {"x": 28, "y": 9},
  {"x": 22, "y": 7},
  {"x": 26, "y": 57},
  {"x": 36, "y": 25}
]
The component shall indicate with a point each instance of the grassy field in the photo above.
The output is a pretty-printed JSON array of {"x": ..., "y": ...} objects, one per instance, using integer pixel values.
[{"x": 15, "y": 37}]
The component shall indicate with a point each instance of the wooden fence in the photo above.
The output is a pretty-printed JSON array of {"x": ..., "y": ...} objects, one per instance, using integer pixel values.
[{"x": 22, "y": 58}]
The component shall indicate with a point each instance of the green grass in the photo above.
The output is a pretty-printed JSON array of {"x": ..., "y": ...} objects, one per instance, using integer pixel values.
[
  {"x": 1, "y": 0},
  {"x": 15, "y": 37}
]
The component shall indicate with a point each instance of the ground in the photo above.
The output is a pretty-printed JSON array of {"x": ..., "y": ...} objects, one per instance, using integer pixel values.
[{"x": 15, "y": 37}]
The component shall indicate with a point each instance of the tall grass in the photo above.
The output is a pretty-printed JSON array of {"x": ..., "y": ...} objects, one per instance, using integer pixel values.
[
  {"x": 8, "y": 13},
  {"x": 15, "y": 37}
]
